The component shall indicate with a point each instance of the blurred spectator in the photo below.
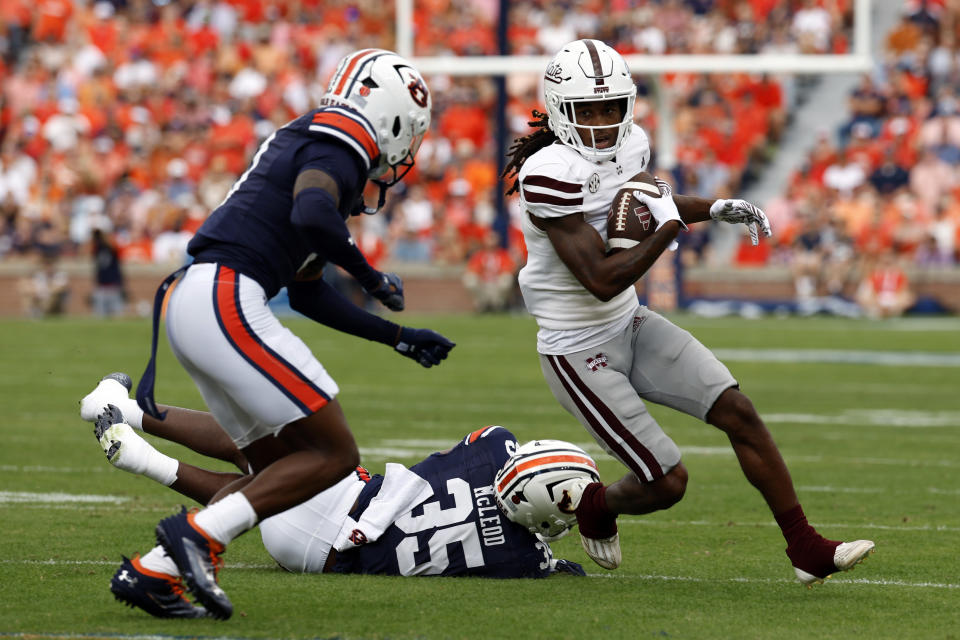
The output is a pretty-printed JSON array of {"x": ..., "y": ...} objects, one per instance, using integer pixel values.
[
  {"x": 941, "y": 132},
  {"x": 491, "y": 276},
  {"x": 838, "y": 259},
  {"x": 866, "y": 104},
  {"x": 889, "y": 177},
  {"x": 109, "y": 294},
  {"x": 712, "y": 177},
  {"x": 885, "y": 291},
  {"x": 931, "y": 178},
  {"x": 812, "y": 26},
  {"x": 45, "y": 293},
  {"x": 845, "y": 175},
  {"x": 412, "y": 226},
  {"x": 808, "y": 257}
]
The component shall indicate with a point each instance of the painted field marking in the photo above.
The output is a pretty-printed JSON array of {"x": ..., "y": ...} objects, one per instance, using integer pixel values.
[
  {"x": 83, "y": 502},
  {"x": 35, "y": 635},
  {"x": 857, "y": 581},
  {"x": 771, "y": 523},
  {"x": 873, "y": 418},
  {"x": 51, "y": 469},
  {"x": 831, "y": 356},
  {"x": 829, "y": 489},
  {"x": 112, "y": 563},
  {"x": 57, "y": 498},
  {"x": 852, "y": 581}
]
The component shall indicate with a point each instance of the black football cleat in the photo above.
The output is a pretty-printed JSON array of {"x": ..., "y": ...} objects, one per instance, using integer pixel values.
[
  {"x": 159, "y": 594},
  {"x": 197, "y": 555}
]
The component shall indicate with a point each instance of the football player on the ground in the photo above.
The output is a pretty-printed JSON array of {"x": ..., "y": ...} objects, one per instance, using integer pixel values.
[
  {"x": 282, "y": 220},
  {"x": 603, "y": 354},
  {"x": 440, "y": 517}
]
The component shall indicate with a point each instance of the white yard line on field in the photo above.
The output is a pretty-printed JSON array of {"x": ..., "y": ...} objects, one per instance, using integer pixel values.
[
  {"x": 88, "y": 501},
  {"x": 858, "y": 581},
  {"x": 35, "y": 635},
  {"x": 831, "y": 356},
  {"x": 735, "y": 579},
  {"x": 51, "y": 469},
  {"x": 771, "y": 523},
  {"x": 112, "y": 563},
  {"x": 828, "y": 489},
  {"x": 899, "y": 418},
  {"x": 57, "y": 497}
]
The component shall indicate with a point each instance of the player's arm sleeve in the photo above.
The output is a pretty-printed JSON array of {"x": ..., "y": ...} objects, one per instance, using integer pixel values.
[
  {"x": 321, "y": 302},
  {"x": 315, "y": 214}
]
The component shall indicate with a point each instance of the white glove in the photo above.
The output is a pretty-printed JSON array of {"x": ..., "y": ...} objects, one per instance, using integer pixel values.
[
  {"x": 740, "y": 211},
  {"x": 663, "y": 209}
]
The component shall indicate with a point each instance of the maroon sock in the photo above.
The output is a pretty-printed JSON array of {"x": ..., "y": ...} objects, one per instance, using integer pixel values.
[
  {"x": 593, "y": 516},
  {"x": 806, "y": 548},
  {"x": 793, "y": 523}
]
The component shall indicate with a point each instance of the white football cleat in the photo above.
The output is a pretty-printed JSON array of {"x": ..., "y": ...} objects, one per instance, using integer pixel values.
[
  {"x": 845, "y": 557},
  {"x": 605, "y": 551},
  {"x": 113, "y": 389},
  {"x": 124, "y": 448}
]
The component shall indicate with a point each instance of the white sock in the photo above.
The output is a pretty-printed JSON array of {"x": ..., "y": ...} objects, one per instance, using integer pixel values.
[
  {"x": 226, "y": 519},
  {"x": 162, "y": 468},
  {"x": 110, "y": 391},
  {"x": 157, "y": 560},
  {"x": 132, "y": 453},
  {"x": 132, "y": 413}
]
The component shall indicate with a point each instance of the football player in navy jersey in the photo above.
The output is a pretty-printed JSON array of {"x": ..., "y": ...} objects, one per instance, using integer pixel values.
[
  {"x": 440, "y": 517},
  {"x": 280, "y": 223}
]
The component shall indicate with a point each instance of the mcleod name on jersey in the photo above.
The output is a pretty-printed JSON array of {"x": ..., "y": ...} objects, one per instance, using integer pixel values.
[
  {"x": 459, "y": 530},
  {"x": 557, "y": 181}
]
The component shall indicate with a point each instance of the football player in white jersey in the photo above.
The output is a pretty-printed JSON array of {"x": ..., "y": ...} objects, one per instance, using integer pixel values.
[{"x": 604, "y": 355}]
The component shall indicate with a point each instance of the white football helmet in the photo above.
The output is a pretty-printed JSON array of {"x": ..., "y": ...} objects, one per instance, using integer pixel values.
[
  {"x": 392, "y": 95},
  {"x": 541, "y": 484},
  {"x": 588, "y": 71}
]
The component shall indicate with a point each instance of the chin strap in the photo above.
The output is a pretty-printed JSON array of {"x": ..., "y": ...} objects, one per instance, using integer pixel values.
[{"x": 380, "y": 200}]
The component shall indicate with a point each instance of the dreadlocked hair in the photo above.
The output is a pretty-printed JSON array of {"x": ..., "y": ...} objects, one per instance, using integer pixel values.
[{"x": 526, "y": 146}]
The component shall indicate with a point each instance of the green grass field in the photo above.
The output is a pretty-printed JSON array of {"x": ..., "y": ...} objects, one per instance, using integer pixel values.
[{"x": 873, "y": 446}]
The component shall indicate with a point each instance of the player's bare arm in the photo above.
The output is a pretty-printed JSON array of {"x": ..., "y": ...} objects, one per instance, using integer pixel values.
[
  {"x": 693, "y": 209},
  {"x": 582, "y": 250},
  {"x": 732, "y": 211}
]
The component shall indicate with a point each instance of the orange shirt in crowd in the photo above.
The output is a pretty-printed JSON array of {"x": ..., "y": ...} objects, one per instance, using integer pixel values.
[
  {"x": 888, "y": 280},
  {"x": 490, "y": 263},
  {"x": 51, "y": 21}
]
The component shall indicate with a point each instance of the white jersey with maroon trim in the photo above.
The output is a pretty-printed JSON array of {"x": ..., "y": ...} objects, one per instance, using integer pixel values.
[{"x": 555, "y": 182}]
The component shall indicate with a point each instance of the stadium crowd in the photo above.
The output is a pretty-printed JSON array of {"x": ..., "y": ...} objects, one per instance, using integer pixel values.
[
  {"x": 134, "y": 117},
  {"x": 880, "y": 197}
]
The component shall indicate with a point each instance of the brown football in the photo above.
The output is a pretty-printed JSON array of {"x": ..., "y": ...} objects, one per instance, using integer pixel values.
[{"x": 630, "y": 221}]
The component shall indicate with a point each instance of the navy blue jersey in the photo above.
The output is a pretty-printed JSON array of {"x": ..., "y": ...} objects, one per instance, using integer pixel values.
[
  {"x": 251, "y": 231},
  {"x": 459, "y": 531}
]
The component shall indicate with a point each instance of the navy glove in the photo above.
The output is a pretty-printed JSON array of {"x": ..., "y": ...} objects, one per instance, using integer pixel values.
[
  {"x": 390, "y": 292},
  {"x": 423, "y": 345},
  {"x": 567, "y": 566}
]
